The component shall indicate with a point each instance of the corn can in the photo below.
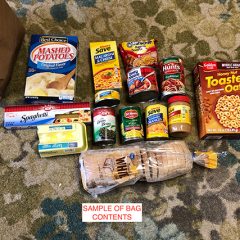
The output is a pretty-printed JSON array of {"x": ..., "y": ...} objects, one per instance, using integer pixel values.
[
  {"x": 156, "y": 122},
  {"x": 131, "y": 124}
]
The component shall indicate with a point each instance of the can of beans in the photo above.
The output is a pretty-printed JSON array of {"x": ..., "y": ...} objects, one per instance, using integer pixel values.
[
  {"x": 142, "y": 84},
  {"x": 156, "y": 122},
  {"x": 104, "y": 126},
  {"x": 172, "y": 76},
  {"x": 131, "y": 124}
]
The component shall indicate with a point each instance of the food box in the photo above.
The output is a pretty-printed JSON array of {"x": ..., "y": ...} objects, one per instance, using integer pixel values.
[
  {"x": 106, "y": 72},
  {"x": 63, "y": 139},
  {"x": 217, "y": 86},
  {"x": 52, "y": 66},
  {"x": 26, "y": 116}
]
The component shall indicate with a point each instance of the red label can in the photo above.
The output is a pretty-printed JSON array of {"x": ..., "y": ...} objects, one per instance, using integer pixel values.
[
  {"x": 142, "y": 84},
  {"x": 172, "y": 76}
]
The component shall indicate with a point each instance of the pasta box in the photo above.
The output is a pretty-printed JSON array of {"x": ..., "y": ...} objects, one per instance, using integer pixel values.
[
  {"x": 51, "y": 72},
  {"x": 217, "y": 86},
  {"x": 27, "y": 116},
  {"x": 106, "y": 73}
]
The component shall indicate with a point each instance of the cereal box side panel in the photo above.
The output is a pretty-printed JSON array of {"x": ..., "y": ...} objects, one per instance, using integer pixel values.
[{"x": 199, "y": 100}]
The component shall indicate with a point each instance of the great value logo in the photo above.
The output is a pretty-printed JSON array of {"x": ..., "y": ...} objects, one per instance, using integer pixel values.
[{"x": 53, "y": 53}]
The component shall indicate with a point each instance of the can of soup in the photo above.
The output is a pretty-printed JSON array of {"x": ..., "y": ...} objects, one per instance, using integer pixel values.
[
  {"x": 104, "y": 126},
  {"x": 172, "y": 74},
  {"x": 142, "y": 84},
  {"x": 131, "y": 124},
  {"x": 156, "y": 122}
]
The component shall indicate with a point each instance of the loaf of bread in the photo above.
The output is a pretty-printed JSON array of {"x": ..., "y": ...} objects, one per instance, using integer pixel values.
[{"x": 103, "y": 170}]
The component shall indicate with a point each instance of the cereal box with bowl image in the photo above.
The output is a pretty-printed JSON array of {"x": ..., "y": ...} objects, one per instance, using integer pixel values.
[
  {"x": 52, "y": 65},
  {"x": 106, "y": 73},
  {"x": 217, "y": 86}
]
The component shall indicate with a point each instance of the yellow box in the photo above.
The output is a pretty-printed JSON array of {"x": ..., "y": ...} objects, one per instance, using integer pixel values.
[
  {"x": 62, "y": 139},
  {"x": 105, "y": 65}
]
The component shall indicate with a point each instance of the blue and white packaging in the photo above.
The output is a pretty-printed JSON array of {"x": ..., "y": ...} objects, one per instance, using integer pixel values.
[{"x": 50, "y": 59}]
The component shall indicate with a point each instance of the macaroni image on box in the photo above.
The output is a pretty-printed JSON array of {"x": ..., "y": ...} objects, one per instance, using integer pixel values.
[
  {"x": 62, "y": 139},
  {"x": 217, "y": 87}
]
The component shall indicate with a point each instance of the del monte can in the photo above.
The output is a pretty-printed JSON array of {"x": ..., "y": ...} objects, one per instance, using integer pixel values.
[{"x": 131, "y": 124}]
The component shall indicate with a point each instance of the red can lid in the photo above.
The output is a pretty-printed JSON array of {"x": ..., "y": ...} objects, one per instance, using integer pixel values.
[{"x": 179, "y": 98}]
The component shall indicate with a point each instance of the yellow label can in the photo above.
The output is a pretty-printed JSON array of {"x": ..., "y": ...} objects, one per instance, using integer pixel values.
[{"x": 156, "y": 121}]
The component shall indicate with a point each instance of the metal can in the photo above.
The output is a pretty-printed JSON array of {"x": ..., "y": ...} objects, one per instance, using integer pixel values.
[
  {"x": 104, "y": 126},
  {"x": 142, "y": 84},
  {"x": 156, "y": 122},
  {"x": 172, "y": 74},
  {"x": 131, "y": 124},
  {"x": 110, "y": 98}
]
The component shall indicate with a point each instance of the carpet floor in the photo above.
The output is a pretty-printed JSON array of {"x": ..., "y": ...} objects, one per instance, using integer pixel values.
[{"x": 41, "y": 198}]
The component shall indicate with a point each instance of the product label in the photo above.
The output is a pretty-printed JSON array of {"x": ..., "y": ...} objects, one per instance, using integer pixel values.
[
  {"x": 50, "y": 59},
  {"x": 156, "y": 121},
  {"x": 107, "y": 94},
  {"x": 104, "y": 122},
  {"x": 131, "y": 126},
  {"x": 34, "y": 115},
  {"x": 141, "y": 79},
  {"x": 179, "y": 114},
  {"x": 105, "y": 65}
]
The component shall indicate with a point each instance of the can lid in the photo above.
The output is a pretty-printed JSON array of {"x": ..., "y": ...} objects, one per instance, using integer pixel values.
[{"x": 180, "y": 98}]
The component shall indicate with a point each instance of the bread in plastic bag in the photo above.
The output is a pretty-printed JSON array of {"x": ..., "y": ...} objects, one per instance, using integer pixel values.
[{"x": 105, "y": 169}]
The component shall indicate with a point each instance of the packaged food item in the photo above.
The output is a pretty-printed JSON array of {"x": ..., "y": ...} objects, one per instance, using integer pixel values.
[
  {"x": 67, "y": 118},
  {"x": 172, "y": 74},
  {"x": 62, "y": 139},
  {"x": 104, "y": 126},
  {"x": 139, "y": 53},
  {"x": 106, "y": 73},
  {"x": 107, "y": 169},
  {"x": 142, "y": 84},
  {"x": 103, "y": 170},
  {"x": 26, "y": 116},
  {"x": 218, "y": 99},
  {"x": 179, "y": 116},
  {"x": 156, "y": 121},
  {"x": 52, "y": 65},
  {"x": 131, "y": 124}
]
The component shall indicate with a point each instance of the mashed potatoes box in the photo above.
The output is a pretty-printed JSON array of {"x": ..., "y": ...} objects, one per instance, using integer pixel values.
[
  {"x": 217, "y": 86},
  {"x": 52, "y": 65}
]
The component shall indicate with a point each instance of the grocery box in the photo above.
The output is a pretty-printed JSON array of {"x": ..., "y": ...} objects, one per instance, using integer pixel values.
[
  {"x": 217, "y": 86},
  {"x": 52, "y": 65},
  {"x": 27, "y": 116}
]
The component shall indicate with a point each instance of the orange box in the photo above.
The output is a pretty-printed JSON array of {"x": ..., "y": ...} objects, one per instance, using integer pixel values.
[{"x": 217, "y": 86}]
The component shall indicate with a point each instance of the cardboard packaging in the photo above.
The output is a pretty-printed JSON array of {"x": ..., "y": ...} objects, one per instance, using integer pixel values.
[
  {"x": 217, "y": 86},
  {"x": 11, "y": 36}
]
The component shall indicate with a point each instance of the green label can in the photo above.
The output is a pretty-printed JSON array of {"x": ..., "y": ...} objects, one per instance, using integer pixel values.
[
  {"x": 131, "y": 124},
  {"x": 104, "y": 126}
]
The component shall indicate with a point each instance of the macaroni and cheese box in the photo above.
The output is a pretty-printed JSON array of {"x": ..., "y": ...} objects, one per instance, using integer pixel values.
[
  {"x": 217, "y": 86},
  {"x": 106, "y": 72},
  {"x": 52, "y": 65}
]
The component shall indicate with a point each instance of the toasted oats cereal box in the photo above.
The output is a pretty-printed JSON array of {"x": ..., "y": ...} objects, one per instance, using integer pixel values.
[
  {"x": 106, "y": 73},
  {"x": 217, "y": 87},
  {"x": 51, "y": 72}
]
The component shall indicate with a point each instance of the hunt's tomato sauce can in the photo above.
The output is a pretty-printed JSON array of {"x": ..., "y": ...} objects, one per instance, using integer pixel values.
[
  {"x": 142, "y": 84},
  {"x": 131, "y": 124},
  {"x": 172, "y": 76}
]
